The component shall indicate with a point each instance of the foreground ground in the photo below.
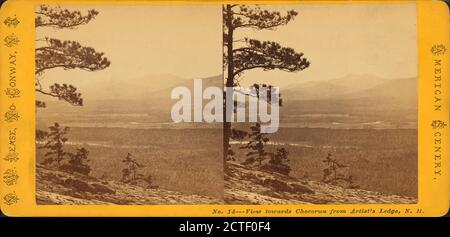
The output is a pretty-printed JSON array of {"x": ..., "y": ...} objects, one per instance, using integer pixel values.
[
  {"x": 242, "y": 186},
  {"x": 245, "y": 186},
  {"x": 61, "y": 188}
]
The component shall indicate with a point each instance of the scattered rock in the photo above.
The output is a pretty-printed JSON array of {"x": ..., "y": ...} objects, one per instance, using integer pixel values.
[
  {"x": 100, "y": 188},
  {"x": 251, "y": 186},
  {"x": 277, "y": 185},
  {"x": 61, "y": 188},
  {"x": 79, "y": 185},
  {"x": 298, "y": 188}
]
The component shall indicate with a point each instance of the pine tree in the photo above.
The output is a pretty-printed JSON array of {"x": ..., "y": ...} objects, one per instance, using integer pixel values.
[
  {"x": 253, "y": 54},
  {"x": 332, "y": 173},
  {"x": 131, "y": 174},
  {"x": 279, "y": 162},
  {"x": 256, "y": 145},
  {"x": 56, "y": 138},
  {"x": 53, "y": 53},
  {"x": 77, "y": 162}
]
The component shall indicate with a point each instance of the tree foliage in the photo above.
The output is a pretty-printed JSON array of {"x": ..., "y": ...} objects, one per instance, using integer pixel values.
[
  {"x": 236, "y": 134},
  {"x": 267, "y": 55},
  {"x": 332, "y": 173},
  {"x": 256, "y": 145},
  {"x": 244, "y": 16},
  {"x": 251, "y": 54},
  {"x": 77, "y": 162},
  {"x": 41, "y": 135},
  {"x": 131, "y": 173},
  {"x": 54, "y": 53},
  {"x": 63, "y": 92},
  {"x": 258, "y": 155},
  {"x": 57, "y": 155},
  {"x": 268, "y": 96},
  {"x": 55, "y": 16},
  {"x": 68, "y": 55},
  {"x": 40, "y": 104},
  {"x": 55, "y": 140},
  {"x": 279, "y": 162}
]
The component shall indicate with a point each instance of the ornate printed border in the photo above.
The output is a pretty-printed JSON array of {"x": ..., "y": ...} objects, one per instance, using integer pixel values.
[
  {"x": 18, "y": 176},
  {"x": 10, "y": 175}
]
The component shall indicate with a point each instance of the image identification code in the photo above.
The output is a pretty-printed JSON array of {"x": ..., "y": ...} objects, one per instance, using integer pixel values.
[{"x": 235, "y": 226}]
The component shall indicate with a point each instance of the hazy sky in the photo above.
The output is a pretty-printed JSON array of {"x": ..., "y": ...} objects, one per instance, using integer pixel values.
[
  {"x": 148, "y": 40},
  {"x": 339, "y": 40},
  {"x": 187, "y": 41}
]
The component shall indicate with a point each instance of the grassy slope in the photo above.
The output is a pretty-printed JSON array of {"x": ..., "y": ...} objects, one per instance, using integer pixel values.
[
  {"x": 187, "y": 160},
  {"x": 380, "y": 160}
]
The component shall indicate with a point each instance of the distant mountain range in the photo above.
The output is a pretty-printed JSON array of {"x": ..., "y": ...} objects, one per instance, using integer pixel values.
[
  {"x": 153, "y": 88},
  {"x": 139, "y": 88},
  {"x": 402, "y": 90},
  {"x": 353, "y": 101},
  {"x": 361, "y": 98},
  {"x": 144, "y": 95}
]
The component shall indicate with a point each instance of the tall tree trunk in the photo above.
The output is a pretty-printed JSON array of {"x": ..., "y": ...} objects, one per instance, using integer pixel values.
[{"x": 229, "y": 82}]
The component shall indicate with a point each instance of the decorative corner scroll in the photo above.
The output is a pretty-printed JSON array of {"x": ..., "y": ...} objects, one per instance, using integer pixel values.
[
  {"x": 11, "y": 40},
  {"x": 438, "y": 124},
  {"x": 11, "y": 21},
  {"x": 12, "y": 115},
  {"x": 12, "y": 93},
  {"x": 10, "y": 177},
  {"x": 10, "y": 198},
  {"x": 438, "y": 49}
]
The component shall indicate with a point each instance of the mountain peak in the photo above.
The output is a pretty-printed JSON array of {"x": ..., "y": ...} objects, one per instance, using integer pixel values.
[{"x": 342, "y": 87}]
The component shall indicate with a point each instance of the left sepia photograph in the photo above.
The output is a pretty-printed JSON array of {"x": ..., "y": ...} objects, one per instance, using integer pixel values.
[{"x": 104, "y": 85}]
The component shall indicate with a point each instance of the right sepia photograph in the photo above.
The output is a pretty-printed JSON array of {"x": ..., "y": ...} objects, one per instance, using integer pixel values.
[{"x": 347, "y": 126}]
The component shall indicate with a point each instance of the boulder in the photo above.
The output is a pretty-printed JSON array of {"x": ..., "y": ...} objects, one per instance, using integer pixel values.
[
  {"x": 100, "y": 188},
  {"x": 277, "y": 185},
  {"x": 79, "y": 185},
  {"x": 298, "y": 188}
]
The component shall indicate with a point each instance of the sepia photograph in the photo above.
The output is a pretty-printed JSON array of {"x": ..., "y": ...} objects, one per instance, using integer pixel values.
[
  {"x": 226, "y": 104},
  {"x": 104, "y": 77},
  {"x": 347, "y": 79}
]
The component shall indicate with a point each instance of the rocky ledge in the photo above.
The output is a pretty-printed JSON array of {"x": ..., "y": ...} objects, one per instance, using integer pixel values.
[
  {"x": 61, "y": 188},
  {"x": 247, "y": 186}
]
